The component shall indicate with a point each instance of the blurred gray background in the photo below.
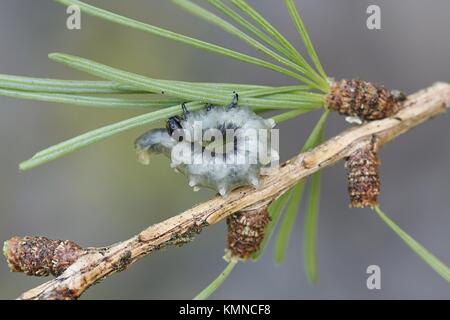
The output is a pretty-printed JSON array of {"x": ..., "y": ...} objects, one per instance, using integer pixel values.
[{"x": 101, "y": 194}]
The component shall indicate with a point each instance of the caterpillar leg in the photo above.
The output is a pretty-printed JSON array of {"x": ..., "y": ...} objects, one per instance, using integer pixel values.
[
  {"x": 234, "y": 102},
  {"x": 185, "y": 110}
]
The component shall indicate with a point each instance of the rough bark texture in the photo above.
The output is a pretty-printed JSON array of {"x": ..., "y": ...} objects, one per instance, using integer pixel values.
[{"x": 98, "y": 263}]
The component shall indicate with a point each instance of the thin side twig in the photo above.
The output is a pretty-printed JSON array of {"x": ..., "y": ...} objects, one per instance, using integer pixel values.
[{"x": 94, "y": 264}]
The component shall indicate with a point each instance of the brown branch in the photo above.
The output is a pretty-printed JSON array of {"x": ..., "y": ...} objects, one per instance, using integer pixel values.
[{"x": 94, "y": 264}]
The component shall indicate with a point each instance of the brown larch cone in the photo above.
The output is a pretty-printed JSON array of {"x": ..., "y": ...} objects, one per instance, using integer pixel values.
[
  {"x": 363, "y": 177},
  {"x": 40, "y": 256},
  {"x": 246, "y": 232},
  {"x": 357, "y": 98}
]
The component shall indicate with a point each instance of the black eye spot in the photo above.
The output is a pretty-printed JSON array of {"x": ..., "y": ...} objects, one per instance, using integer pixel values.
[{"x": 173, "y": 123}]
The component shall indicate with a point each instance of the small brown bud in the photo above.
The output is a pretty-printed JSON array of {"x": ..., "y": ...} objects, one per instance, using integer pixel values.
[
  {"x": 363, "y": 177},
  {"x": 246, "y": 232},
  {"x": 40, "y": 256},
  {"x": 363, "y": 99}
]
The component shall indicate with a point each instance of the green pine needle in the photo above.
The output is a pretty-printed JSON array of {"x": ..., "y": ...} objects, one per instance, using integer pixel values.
[
  {"x": 265, "y": 25},
  {"x": 305, "y": 36},
  {"x": 441, "y": 268},
  {"x": 181, "y": 90},
  {"x": 134, "y": 24},
  {"x": 89, "y": 101},
  {"x": 316, "y": 136},
  {"x": 288, "y": 221},
  {"x": 258, "y": 18},
  {"x": 64, "y": 86},
  {"x": 228, "y": 27},
  {"x": 275, "y": 211},
  {"x": 213, "y": 286},
  {"x": 311, "y": 217},
  {"x": 251, "y": 28},
  {"x": 312, "y": 209},
  {"x": 285, "y": 116},
  {"x": 65, "y": 91},
  {"x": 109, "y": 87},
  {"x": 296, "y": 193}
]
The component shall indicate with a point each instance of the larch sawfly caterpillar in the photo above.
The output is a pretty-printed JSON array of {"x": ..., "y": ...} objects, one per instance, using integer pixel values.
[
  {"x": 217, "y": 147},
  {"x": 216, "y": 171}
]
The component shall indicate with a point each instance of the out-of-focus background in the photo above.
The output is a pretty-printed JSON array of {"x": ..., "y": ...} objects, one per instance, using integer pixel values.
[{"x": 101, "y": 194}]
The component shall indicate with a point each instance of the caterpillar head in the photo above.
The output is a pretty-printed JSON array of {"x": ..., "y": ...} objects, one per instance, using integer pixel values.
[
  {"x": 155, "y": 141},
  {"x": 221, "y": 148}
]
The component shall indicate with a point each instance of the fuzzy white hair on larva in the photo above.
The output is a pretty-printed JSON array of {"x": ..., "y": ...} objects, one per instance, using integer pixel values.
[{"x": 199, "y": 160}]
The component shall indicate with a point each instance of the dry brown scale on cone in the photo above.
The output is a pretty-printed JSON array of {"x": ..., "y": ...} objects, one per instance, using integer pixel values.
[{"x": 365, "y": 100}]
